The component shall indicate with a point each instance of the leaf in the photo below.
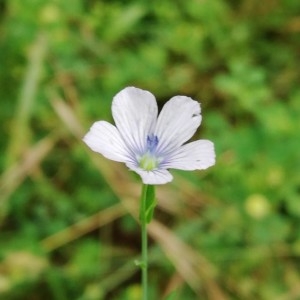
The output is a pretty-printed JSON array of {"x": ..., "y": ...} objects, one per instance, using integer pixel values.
[{"x": 150, "y": 202}]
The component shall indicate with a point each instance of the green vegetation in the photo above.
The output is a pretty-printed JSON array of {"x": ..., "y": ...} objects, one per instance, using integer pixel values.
[{"x": 68, "y": 225}]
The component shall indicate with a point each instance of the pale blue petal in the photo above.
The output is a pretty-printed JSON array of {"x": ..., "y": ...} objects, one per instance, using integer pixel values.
[
  {"x": 159, "y": 176},
  {"x": 177, "y": 122},
  {"x": 135, "y": 113},
  {"x": 196, "y": 155},
  {"x": 105, "y": 139}
]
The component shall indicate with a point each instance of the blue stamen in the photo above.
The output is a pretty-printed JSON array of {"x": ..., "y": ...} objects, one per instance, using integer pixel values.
[{"x": 152, "y": 141}]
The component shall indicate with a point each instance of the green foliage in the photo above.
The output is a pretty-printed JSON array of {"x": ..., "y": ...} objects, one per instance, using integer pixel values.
[{"x": 238, "y": 58}]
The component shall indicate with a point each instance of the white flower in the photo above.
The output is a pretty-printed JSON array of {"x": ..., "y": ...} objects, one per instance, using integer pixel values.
[{"x": 150, "y": 145}]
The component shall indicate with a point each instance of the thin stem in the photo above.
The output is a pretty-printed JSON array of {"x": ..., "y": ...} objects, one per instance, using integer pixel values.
[{"x": 144, "y": 263}]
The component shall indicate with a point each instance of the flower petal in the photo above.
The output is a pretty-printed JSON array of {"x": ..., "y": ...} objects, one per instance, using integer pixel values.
[
  {"x": 196, "y": 155},
  {"x": 105, "y": 139},
  {"x": 159, "y": 176},
  {"x": 135, "y": 112},
  {"x": 177, "y": 122}
]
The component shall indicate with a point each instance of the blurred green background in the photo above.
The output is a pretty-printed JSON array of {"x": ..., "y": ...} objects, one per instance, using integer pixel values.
[{"x": 67, "y": 215}]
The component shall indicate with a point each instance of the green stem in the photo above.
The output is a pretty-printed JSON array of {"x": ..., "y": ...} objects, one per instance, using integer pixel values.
[{"x": 144, "y": 264}]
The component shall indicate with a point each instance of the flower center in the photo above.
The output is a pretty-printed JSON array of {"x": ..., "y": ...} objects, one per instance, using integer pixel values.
[{"x": 149, "y": 161}]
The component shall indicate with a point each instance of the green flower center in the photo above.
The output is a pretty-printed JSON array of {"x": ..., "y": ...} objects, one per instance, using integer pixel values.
[{"x": 148, "y": 162}]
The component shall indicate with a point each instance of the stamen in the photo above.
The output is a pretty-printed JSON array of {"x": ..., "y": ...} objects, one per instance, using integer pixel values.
[{"x": 152, "y": 141}]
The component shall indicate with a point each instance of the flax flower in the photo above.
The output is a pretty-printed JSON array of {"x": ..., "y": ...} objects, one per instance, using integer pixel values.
[{"x": 150, "y": 144}]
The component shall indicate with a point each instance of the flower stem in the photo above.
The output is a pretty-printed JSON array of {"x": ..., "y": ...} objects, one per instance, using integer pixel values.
[
  {"x": 147, "y": 206},
  {"x": 144, "y": 263}
]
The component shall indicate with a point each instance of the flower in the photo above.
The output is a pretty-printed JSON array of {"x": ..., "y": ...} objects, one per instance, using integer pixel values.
[{"x": 150, "y": 145}]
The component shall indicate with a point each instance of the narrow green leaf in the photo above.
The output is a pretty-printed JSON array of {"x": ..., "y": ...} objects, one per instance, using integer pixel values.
[
  {"x": 150, "y": 211},
  {"x": 150, "y": 202}
]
